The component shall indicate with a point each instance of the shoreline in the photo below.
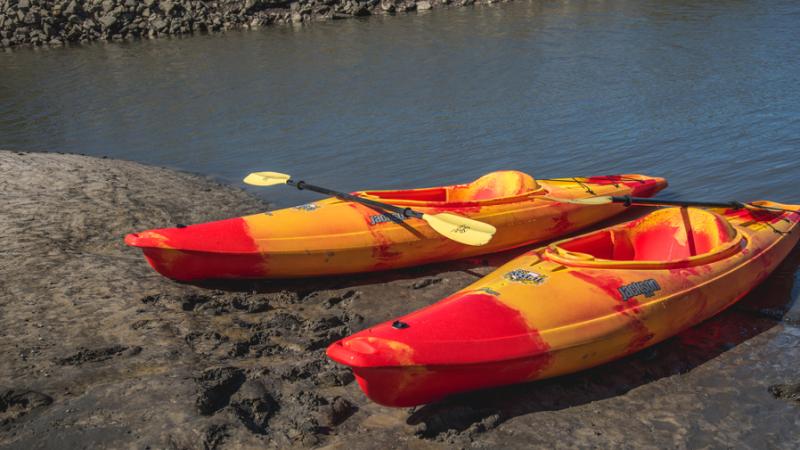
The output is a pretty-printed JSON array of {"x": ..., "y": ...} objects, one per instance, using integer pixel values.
[
  {"x": 59, "y": 22},
  {"x": 99, "y": 350}
]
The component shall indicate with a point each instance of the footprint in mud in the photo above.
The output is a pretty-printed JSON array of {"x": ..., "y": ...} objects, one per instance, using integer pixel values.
[
  {"x": 339, "y": 410},
  {"x": 228, "y": 389},
  {"x": 15, "y": 403},
  {"x": 425, "y": 282},
  {"x": 441, "y": 419},
  {"x": 216, "y": 388},
  {"x": 215, "y": 436},
  {"x": 789, "y": 392},
  {"x": 216, "y": 303},
  {"x": 85, "y": 355},
  {"x": 205, "y": 343},
  {"x": 254, "y": 406}
]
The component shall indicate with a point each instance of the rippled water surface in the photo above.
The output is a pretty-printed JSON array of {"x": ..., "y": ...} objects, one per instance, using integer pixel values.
[{"x": 702, "y": 92}]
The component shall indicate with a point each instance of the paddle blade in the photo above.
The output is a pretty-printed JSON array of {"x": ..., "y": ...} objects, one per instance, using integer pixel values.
[
  {"x": 461, "y": 229},
  {"x": 603, "y": 200},
  {"x": 266, "y": 178}
]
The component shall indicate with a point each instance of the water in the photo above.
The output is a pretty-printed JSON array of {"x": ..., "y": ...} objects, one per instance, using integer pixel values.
[{"x": 704, "y": 93}]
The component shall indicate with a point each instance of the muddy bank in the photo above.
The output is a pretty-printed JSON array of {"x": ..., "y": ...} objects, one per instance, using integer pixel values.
[
  {"x": 100, "y": 351},
  {"x": 57, "y": 22}
]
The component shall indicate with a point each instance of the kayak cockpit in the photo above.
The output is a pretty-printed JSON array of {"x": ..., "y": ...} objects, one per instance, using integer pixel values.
[
  {"x": 666, "y": 237},
  {"x": 504, "y": 184}
]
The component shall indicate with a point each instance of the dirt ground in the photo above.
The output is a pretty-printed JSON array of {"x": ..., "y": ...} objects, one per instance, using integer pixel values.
[{"x": 99, "y": 351}]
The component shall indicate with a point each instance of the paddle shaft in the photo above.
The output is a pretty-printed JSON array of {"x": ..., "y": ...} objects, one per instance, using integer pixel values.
[
  {"x": 405, "y": 212},
  {"x": 627, "y": 200}
]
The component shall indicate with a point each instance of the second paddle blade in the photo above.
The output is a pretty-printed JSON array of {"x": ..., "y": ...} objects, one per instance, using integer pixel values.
[
  {"x": 461, "y": 229},
  {"x": 604, "y": 200},
  {"x": 266, "y": 178}
]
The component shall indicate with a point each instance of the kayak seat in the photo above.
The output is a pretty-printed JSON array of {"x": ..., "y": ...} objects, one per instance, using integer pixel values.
[
  {"x": 668, "y": 234},
  {"x": 500, "y": 184}
]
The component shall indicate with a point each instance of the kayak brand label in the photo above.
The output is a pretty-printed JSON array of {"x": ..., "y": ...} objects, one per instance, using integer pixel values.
[
  {"x": 383, "y": 218},
  {"x": 461, "y": 229},
  {"x": 646, "y": 288},
  {"x": 525, "y": 276},
  {"x": 307, "y": 207}
]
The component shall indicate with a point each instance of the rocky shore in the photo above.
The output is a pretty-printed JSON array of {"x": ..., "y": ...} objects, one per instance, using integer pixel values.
[
  {"x": 57, "y": 22},
  {"x": 99, "y": 351}
]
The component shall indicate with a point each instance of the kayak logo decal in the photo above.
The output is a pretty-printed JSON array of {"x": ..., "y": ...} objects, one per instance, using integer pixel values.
[
  {"x": 647, "y": 288},
  {"x": 525, "y": 277},
  {"x": 383, "y": 218},
  {"x": 307, "y": 207}
]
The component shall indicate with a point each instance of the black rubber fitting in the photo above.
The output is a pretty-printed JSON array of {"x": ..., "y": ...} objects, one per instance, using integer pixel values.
[
  {"x": 399, "y": 325},
  {"x": 180, "y": 225}
]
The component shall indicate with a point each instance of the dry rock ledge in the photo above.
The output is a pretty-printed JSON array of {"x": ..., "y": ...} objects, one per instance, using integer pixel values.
[
  {"x": 56, "y": 22},
  {"x": 99, "y": 351}
]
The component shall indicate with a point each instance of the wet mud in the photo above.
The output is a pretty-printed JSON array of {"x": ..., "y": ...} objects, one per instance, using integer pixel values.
[{"x": 100, "y": 351}]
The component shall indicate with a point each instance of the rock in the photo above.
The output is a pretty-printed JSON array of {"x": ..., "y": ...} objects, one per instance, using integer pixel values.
[
  {"x": 424, "y": 5},
  {"x": 160, "y": 24},
  {"x": 107, "y": 21},
  {"x": 167, "y": 6},
  {"x": 23, "y": 4},
  {"x": 107, "y": 5},
  {"x": 31, "y": 18},
  {"x": 72, "y": 8}
]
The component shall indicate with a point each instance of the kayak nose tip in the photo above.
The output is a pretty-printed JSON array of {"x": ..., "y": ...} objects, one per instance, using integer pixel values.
[
  {"x": 351, "y": 351},
  {"x": 146, "y": 239},
  {"x": 132, "y": 239},
  {"x": 364, "y": 351}
]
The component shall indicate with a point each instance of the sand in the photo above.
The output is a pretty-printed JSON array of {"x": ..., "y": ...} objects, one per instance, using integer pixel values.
[{"x": 99, "y": 351}]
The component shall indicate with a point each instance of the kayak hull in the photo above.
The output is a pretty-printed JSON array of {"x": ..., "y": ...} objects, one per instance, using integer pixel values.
[
  {"x": 333, "y": 237},
  {"x": 573, "y": 313}
]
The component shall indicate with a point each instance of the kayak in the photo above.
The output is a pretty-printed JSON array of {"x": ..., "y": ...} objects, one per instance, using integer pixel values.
[
  {"x": 574, "y": 304},
  {"x": 333, "y": 236}
]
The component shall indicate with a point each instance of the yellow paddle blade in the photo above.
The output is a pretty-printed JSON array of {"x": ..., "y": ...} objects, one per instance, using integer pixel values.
[
  {"x": 266, "y": 178},
  {"x": 460, "y": 229},
  {"x": 603, "y": 200}
]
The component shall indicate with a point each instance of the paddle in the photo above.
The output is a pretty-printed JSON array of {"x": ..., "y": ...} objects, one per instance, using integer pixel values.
[
  {"x": 628, "y": 201},
  {"x": 452, "y": 226}
]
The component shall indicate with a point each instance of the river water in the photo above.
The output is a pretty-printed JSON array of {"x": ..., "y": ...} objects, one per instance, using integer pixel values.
[{"x": 704, "y": 93}]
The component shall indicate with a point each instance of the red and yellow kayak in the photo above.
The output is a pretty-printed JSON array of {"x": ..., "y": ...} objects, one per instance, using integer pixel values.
[
  {"x": 332, "y": 236},
  {"x": 574, "y": 304}
]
